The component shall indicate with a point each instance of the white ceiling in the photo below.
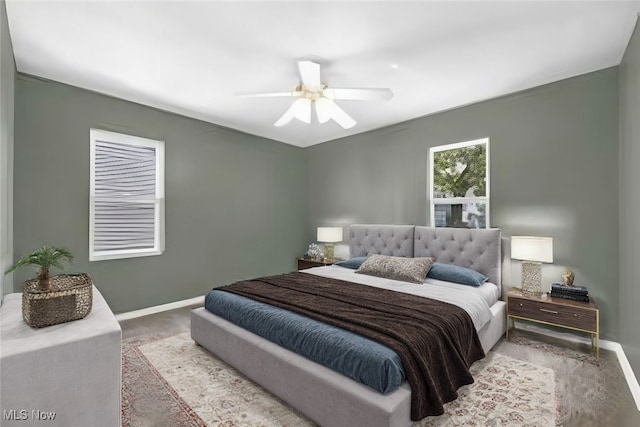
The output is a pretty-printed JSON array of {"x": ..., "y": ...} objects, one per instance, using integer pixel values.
[{"x": 195, "y": 58}]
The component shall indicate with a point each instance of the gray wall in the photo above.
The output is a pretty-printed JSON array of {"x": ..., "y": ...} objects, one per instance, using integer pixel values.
[
  {"x": 554, "y": 158},
  {"x": 7, "y": 78},
  {"x": 630, "y": 202},
  {"x": 235, "y": 203}
]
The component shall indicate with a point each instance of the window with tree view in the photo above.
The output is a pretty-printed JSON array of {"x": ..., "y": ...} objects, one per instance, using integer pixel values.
[{"x": 459, "y": 184}]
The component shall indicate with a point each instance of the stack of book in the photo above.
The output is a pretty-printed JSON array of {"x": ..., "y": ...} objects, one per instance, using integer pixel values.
[{"x": 576, "y": 293}]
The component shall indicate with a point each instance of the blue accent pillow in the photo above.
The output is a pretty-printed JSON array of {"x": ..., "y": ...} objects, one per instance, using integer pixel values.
[
  {"x": 456, "y": 274},
  {"x": 353, "y": 263}
]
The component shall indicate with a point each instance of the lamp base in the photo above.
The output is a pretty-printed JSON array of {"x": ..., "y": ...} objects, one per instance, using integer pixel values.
[
  {"x": 328, "y": 252},
  {"x": 532, "y": 278}
]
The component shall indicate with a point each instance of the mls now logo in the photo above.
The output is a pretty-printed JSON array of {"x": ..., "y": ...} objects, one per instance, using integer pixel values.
[
  {"x": 15, "y": 414},
  {"x": 43, "y": 415},
  {"x": 23, "y": 414}
]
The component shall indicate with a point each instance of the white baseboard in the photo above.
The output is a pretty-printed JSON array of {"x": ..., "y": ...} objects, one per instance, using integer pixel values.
[
  {"x": 160, "y": 308},
  {"x": 632, "y": 381}
]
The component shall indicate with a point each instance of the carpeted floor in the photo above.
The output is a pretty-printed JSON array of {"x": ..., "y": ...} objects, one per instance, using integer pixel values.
[{"x": 169, "y": 381}]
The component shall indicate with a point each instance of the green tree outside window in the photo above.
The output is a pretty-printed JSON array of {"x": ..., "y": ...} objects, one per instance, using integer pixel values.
[{"x": 460, "y": 184}]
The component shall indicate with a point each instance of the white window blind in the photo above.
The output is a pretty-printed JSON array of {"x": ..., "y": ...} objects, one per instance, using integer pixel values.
[{"x": 127, "y": 196}]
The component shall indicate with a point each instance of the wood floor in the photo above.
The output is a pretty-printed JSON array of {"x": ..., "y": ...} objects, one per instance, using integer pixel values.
[
  {"x": 170, "y": 322},
  {"x": 177, "y": 321}
]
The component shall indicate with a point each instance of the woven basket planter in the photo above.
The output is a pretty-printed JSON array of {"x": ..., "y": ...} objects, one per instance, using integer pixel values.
[{"x": 70, "y": 298}]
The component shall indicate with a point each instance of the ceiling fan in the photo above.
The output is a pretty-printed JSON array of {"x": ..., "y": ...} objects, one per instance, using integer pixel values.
[{"x": 312, "y": 91}]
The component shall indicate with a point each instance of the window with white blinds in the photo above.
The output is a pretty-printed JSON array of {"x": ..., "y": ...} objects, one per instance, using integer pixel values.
[{"x": 127, "y": 196}]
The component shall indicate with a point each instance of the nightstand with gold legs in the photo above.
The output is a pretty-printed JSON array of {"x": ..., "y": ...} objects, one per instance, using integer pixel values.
[{"x": 563, "y": 313}]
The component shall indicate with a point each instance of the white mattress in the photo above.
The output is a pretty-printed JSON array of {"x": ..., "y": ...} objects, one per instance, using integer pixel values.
[{"x": 475, "y": 301}]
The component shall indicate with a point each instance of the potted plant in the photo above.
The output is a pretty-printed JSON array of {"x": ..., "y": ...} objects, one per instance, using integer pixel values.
[{"x": 45, "y": 257}]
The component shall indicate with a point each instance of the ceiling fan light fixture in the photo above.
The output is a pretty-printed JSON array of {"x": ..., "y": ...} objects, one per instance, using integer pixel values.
[{"x": 328, "y": 93}]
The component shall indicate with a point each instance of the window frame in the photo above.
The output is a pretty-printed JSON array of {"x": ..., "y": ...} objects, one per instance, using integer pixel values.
[
  {"x": 158, "y": 202},
  {"x": 457, "y": 200}
]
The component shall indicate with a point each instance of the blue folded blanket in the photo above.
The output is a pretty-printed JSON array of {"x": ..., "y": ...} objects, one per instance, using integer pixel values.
[{"x": 359, "y": 358}]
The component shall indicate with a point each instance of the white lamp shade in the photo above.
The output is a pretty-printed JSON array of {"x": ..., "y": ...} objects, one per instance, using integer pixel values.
[
  {"x": 329, "y": 234},
  {"x": 528, "y": 248}
]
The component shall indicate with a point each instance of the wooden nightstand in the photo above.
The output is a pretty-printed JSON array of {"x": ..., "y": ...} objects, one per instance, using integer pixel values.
[
  {"x": 575, "y": 315},
  {"x": 303, "y": 264}
]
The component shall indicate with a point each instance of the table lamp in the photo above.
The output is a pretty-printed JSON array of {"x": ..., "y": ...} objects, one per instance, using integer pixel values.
[
  {"x": 329, "y": 236},
  {"x": 532, "y": 251}
]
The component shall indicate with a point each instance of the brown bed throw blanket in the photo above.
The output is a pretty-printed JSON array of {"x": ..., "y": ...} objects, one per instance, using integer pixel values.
[{"x": 436, "y": 341}]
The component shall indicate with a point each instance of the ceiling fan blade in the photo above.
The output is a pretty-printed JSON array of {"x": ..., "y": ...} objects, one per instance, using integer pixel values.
[
  {"x": 309, "y": 73},
  {"x": 294, "y": 93},
  {"x": 286, "y": 117},
  {"x": 327, "y": 109},
  {"x": 364, "y": 94},
  {"x": 342, "y": 118},
  {"x": 303, "y": 110},
  {"x": 324, "y": 109},
  {"x": 300, "y": 109}
]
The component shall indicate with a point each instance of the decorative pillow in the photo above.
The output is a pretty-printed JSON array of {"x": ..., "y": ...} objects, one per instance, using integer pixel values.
[
  {"x": 352, "y": 263},
  {"x": 456, "y": 274},
  {"x": 397, "y": 268}
]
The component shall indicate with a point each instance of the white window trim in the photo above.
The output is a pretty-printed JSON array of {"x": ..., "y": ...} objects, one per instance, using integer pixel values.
[
  {"x": 457, "y": 200},
  {"x": 98, "y": 134}
]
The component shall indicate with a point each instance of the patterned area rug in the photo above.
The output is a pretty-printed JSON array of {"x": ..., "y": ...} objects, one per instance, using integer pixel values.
[
  {"x": 505, "y": 392},
  {"x": 589, "y": 392},
  {"x": 172, "y": 382},
  {"x": 147, "y": 399}
]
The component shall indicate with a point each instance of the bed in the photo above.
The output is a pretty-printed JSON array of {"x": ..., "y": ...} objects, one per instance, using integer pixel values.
[{"x": 331, "y": 398}]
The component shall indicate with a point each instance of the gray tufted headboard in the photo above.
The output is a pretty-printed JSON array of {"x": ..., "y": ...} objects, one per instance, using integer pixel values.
[
  {"x": 478, "y": 249},
  {"x": 367, "y": 239}
]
